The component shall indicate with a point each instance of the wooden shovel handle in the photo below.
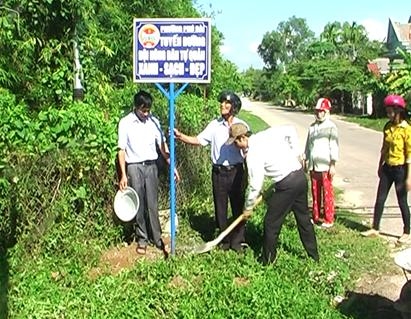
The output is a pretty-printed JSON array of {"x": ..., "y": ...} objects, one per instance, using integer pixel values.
[
  {"x": 234, "y": 224},
  {"x": 257, "y": 201}
]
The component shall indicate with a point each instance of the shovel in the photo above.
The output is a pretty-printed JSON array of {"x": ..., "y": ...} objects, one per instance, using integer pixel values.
[{"x": 211, "y": 244}]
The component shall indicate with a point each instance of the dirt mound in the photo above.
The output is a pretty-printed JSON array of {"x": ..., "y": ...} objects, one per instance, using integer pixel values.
[{"x": 123, "y": 257}]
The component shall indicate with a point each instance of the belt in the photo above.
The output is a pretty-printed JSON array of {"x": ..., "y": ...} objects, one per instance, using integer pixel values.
[
  {"x": 148, "y": 162},
  {"x": 394, "y": 166},
  {"x": 226, "y": 167},
  {"x": 290, "y": 176}
]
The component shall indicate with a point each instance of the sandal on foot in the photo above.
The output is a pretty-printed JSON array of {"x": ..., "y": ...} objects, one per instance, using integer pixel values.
[
  {"x": 141, "y": 250},
  {"x": 370, "y": 233},
  {"x": 404, "y": 239}
]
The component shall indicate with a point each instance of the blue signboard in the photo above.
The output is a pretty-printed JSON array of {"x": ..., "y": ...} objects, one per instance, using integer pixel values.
[{"x": 172, "y": 50}]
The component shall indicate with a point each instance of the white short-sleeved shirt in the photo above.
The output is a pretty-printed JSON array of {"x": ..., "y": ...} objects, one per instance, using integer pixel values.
[
  {"x": 138, "y": 139},
  {"x": 216, "y": 134},
  {"x": 273, "y": 153}
]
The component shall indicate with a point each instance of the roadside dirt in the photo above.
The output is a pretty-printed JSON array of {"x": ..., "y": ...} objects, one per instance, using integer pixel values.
[
  {"x": 124, "y": 257},
  {"x": 385, "y": 285},
  {"x": 374, "y": 293}
]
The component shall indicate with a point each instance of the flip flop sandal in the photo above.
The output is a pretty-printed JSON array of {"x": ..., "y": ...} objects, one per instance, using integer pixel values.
[{"x": 141, "y": 250}]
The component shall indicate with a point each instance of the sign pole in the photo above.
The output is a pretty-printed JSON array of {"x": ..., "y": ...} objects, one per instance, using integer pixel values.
[{"x": 171, "y": 96}]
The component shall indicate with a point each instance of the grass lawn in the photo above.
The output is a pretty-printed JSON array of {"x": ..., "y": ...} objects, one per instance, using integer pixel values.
[
  {"x": 366, "y": 121},
  {"x": 255, "y": 123},
  {"x": 212, "y": 285}
]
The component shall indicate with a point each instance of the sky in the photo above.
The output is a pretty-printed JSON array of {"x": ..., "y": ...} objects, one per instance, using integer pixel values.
[{"x": 244, "y": 22}]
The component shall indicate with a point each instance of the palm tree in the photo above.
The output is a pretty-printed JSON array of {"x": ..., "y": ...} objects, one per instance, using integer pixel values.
[
  {"x": 331, "y": 33},
  {"x": 352, "y": 37}
]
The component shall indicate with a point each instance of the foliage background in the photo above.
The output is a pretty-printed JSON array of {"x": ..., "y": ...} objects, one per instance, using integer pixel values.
[{"x": 300, "y": 68}]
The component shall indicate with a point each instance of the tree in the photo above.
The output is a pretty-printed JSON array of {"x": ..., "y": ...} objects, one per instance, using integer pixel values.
[
  {"x": 399, "y": 81},
  {"x": 271, "y": 50},
  {"x": 296, "y": 36},
  {"x": 331, "y": 33},
  {"x": 285, "y": 45},
  {"x": 337, "y": 62},
  {"x": 350, "y": 41},
  {"x": 255, "y": 83},
  {"x": 36, "y": 39},
  {"x": 289, "y": 86}
]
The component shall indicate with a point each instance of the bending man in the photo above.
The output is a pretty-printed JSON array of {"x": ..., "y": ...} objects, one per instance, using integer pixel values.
[{"x": 275, "y": 153}]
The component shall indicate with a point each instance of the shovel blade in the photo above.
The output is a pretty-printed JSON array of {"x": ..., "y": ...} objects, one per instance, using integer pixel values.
[
  {"x": 211, "y": 244},
  {"x": 206, "y": 247}
]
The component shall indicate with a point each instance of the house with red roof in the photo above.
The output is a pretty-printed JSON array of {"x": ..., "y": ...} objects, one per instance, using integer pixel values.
[{"x": 398, "y": 37}]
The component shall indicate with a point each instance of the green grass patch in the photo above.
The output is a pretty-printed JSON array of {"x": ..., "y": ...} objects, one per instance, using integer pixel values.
[
  {"x": 255, "y": 123},
  {"x": 369, "y": 122},
  {"x": 212, "y": 285}
]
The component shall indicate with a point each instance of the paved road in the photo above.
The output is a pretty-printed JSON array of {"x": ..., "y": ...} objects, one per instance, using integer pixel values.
[{"x": 357, "y": 169}]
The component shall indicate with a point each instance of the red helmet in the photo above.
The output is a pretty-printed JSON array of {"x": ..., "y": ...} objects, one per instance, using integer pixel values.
[
  {"x": 394, "y": 100},
  {"x": 323, "y": 104}
]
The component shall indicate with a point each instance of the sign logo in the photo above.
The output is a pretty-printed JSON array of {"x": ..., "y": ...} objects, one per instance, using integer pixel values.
[{"x": 149, "y": 36}]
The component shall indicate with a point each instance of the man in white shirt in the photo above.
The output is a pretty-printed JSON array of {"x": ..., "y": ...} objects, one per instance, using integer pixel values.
[
  {"x": 275, "y": 153},
  {"x": 227, "y": 173},
  {"x": 139, "y": 137}
]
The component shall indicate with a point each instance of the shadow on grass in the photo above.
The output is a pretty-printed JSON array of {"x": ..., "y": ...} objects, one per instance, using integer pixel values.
[
  {"x": 204, "y": 224},
  {"x": 351, "y": 223},
  {"x": 363, "y": 306},
  {"x": 254, "y": 238},
  {"x": 128, "y": 230}
]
